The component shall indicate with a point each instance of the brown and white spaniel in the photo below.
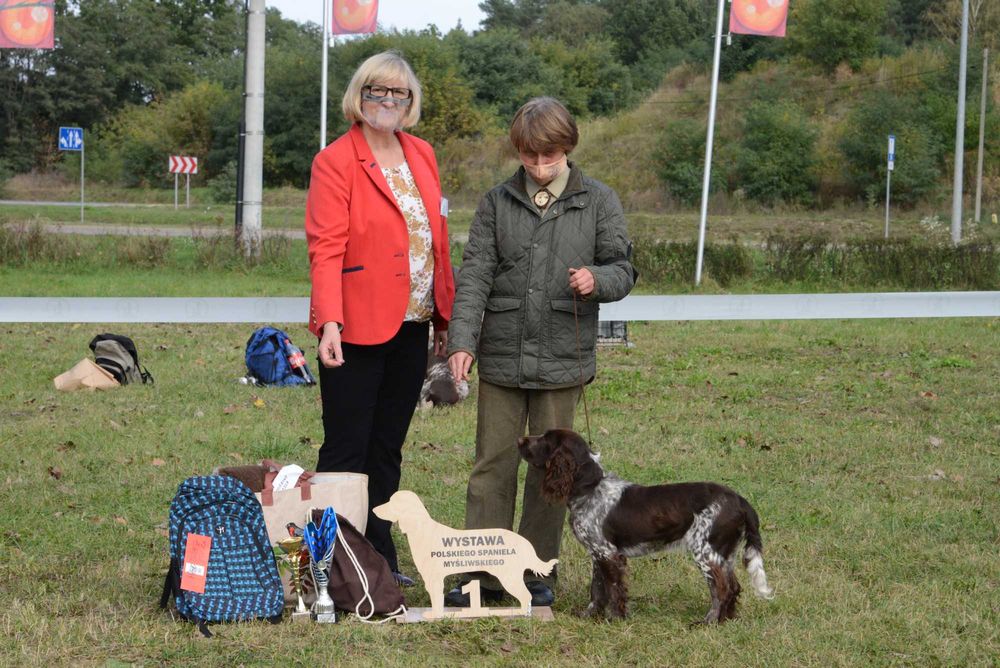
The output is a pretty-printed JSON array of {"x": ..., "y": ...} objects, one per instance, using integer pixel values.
[{"x": 615, "y": 519}]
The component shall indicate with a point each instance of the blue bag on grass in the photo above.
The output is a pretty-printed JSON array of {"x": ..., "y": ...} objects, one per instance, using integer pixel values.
[
  {"x": 273, "y": 360},
  {"x": 237, "y": 574}
]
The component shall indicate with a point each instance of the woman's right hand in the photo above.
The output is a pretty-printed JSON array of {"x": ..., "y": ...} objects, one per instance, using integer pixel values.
[
  {"x": 330, "y": 353},
  {"x": 460, "y": 363}
]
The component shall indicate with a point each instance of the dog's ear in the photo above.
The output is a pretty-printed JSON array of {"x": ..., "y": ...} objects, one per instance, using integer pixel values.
[{"x": 560, "y": 471}]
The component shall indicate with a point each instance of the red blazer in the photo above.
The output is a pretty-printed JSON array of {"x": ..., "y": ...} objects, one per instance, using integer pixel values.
[{"x": 359, "y": 244}]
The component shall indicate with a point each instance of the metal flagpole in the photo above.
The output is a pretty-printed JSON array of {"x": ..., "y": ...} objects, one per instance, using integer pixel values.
[
  {"x": 982, "y": 138},
  {"x": 323, "y": 83},
  {"x": 708, "y": 143},
  {"x": 956, "y": 195}
]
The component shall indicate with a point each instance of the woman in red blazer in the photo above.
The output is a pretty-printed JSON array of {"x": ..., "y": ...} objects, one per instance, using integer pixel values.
[{"x": 381, "y": 272}]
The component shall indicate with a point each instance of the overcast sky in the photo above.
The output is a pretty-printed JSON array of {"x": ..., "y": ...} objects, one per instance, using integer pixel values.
[{"x": 401, "y": 14}]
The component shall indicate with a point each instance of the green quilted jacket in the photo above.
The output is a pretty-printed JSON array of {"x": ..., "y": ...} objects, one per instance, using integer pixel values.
[{"x": 513, "y": 305}]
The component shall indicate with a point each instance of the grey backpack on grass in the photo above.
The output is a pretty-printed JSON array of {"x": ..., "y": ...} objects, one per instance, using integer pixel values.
[{"x": 118, "y": 356}]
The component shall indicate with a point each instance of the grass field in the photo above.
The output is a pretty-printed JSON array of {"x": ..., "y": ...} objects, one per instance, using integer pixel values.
[{"x": 870, "y": 449}]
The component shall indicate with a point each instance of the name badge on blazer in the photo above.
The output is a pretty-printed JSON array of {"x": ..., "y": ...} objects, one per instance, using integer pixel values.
[{"x": 444, "y": 207}]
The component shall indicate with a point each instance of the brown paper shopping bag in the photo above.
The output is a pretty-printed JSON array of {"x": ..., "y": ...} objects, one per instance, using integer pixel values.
[
  {"x": 85, "y": 375},
  {"x": 347, "y": 493}
]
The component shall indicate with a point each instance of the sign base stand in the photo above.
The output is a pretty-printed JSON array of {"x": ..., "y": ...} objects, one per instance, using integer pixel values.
[{"x": 415, "y": 615}]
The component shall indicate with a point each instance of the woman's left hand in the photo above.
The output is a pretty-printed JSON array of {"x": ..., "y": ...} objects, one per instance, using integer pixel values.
[{"x": 440, "y": 342}]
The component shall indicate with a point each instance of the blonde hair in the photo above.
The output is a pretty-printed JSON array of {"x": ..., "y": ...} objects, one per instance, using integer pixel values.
[
  {"x": 543, "y": 125},
  {"x": 377, "y": 69}
]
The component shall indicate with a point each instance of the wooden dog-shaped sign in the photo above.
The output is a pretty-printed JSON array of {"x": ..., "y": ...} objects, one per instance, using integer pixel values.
[{"x": 439, "y": 551}]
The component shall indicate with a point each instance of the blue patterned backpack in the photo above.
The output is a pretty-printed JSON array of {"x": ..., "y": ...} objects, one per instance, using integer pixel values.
[{"x": 240, "y": 580}]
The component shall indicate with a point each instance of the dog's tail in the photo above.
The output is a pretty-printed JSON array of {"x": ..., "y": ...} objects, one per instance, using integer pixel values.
[
  {"x": 753, "y": 552},
  {"x": 543, "y": 568}
]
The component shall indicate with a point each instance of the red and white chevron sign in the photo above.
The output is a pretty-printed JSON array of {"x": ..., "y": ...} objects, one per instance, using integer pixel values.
[{"x": 182, "y": 164}]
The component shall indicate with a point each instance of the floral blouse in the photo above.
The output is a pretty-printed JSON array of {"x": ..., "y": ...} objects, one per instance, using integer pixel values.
[{"x": 400, "y": 180}]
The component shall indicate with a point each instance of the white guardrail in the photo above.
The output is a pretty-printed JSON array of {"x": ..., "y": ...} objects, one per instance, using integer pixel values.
[{"x": 637, "y": 307}]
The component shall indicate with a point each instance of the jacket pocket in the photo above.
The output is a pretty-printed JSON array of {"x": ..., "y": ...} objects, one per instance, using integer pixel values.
[
  {"x": 562, "y": 331},
  {"x": 501, "y": 322},
  {"x": 348, "y": 270}
]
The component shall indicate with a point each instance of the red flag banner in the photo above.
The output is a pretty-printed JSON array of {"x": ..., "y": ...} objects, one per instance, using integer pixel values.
[
  {"x": 27, "y": 24},
  {"x": 351, "y": 17},
  {"x": 758, "y": 17}
]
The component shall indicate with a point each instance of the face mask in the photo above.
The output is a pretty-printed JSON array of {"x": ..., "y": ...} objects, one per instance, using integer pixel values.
[
  {"x": 384, "y": 119},
  {"x": 545, "y": 174}
]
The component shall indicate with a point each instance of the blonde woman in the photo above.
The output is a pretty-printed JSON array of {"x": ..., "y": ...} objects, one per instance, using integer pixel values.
[{"x": 381, "y": 275}]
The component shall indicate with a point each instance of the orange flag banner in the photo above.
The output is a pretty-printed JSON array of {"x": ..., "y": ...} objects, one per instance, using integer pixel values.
[
  {"x": 352, "y": 17},
  {"x": 27, "y": 24},
  {"x": 758, "y": 17}
]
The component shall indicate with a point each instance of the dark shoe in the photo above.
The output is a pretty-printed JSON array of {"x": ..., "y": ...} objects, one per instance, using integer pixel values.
[
  {"x": 541, "y": 594},
  {"x": 456, "y": 599},
  {"x": 402, "y": 580}
]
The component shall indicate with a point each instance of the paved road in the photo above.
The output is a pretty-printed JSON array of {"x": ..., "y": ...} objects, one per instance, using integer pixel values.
[
  {"x": 77, "y": 203},
  {"x": 178, "y": 231},
  {"x": 159, "y": 230}
]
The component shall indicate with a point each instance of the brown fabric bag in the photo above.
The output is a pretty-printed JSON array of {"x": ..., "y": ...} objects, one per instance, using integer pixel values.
[{"x": 347, "y": 588}]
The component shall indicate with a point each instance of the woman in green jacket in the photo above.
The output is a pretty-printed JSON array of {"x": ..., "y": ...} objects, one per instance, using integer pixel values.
[{"x": 545, "y": 248}]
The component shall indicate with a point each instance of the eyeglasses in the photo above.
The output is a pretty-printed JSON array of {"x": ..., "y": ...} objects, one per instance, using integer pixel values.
[{"x": 386, "y": 91}]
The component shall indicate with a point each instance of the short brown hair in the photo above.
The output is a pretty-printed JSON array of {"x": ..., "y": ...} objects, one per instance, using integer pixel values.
[
  {"x": 377, "y": 69},
  {"x": 543, "y": 125}
]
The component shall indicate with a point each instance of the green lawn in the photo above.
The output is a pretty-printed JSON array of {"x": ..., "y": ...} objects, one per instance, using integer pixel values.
[{"x": 870, "y": 449}]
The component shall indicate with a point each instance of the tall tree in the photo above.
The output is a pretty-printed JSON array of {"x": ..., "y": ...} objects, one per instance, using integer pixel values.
[
  {"x": 945, "y": 18},
  {"x": 831, "y": 33},
  {"x": 522, "y": 15},
  {"x": 640, "y": 27}
]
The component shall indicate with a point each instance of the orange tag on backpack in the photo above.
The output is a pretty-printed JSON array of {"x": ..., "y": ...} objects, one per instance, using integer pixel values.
[{"x": 194, "y": 572}]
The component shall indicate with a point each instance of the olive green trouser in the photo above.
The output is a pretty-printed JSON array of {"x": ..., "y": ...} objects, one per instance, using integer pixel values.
[{"x": 492, "y": 494}]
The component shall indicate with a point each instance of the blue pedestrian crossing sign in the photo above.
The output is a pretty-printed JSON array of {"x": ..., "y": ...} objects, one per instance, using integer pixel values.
[{"x": 70, "y": 139}]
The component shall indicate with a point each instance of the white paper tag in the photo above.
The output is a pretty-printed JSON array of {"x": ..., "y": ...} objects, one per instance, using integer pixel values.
[
  {"x": 444, "y": 207},
  {"x": 287, "y": 477}
]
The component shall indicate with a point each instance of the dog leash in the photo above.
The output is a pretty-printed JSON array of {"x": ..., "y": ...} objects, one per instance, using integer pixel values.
[{"x": 583, "y": 384}]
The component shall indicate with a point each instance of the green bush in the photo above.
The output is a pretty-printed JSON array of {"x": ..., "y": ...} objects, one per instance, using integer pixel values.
[
  {"x": 22, "y": 244},
  {"x": 919, "y": 151},
  {"x": 140, "y": 139},
  {"x": 680, "y": 160},
  {"x": 805, "y": 258},
  {"x": 728, "y": 263},
  {"x": 776, "y": 161},
  {"x": 918, "y": 265},
  {"x": 6, "y": 172},
  {"x": 222, "y": 188},
  {"x": 669, "y": 262},
  {"x": 143, "y": 252}
]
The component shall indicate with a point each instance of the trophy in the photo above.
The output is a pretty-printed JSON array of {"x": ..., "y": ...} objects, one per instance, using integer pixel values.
[
  {"x": 321, "y": 540},
  {"x": 293, "y": 548}
]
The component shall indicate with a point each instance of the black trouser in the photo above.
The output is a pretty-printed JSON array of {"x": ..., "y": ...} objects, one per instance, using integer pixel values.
[{"x": 367, "y": 407}]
